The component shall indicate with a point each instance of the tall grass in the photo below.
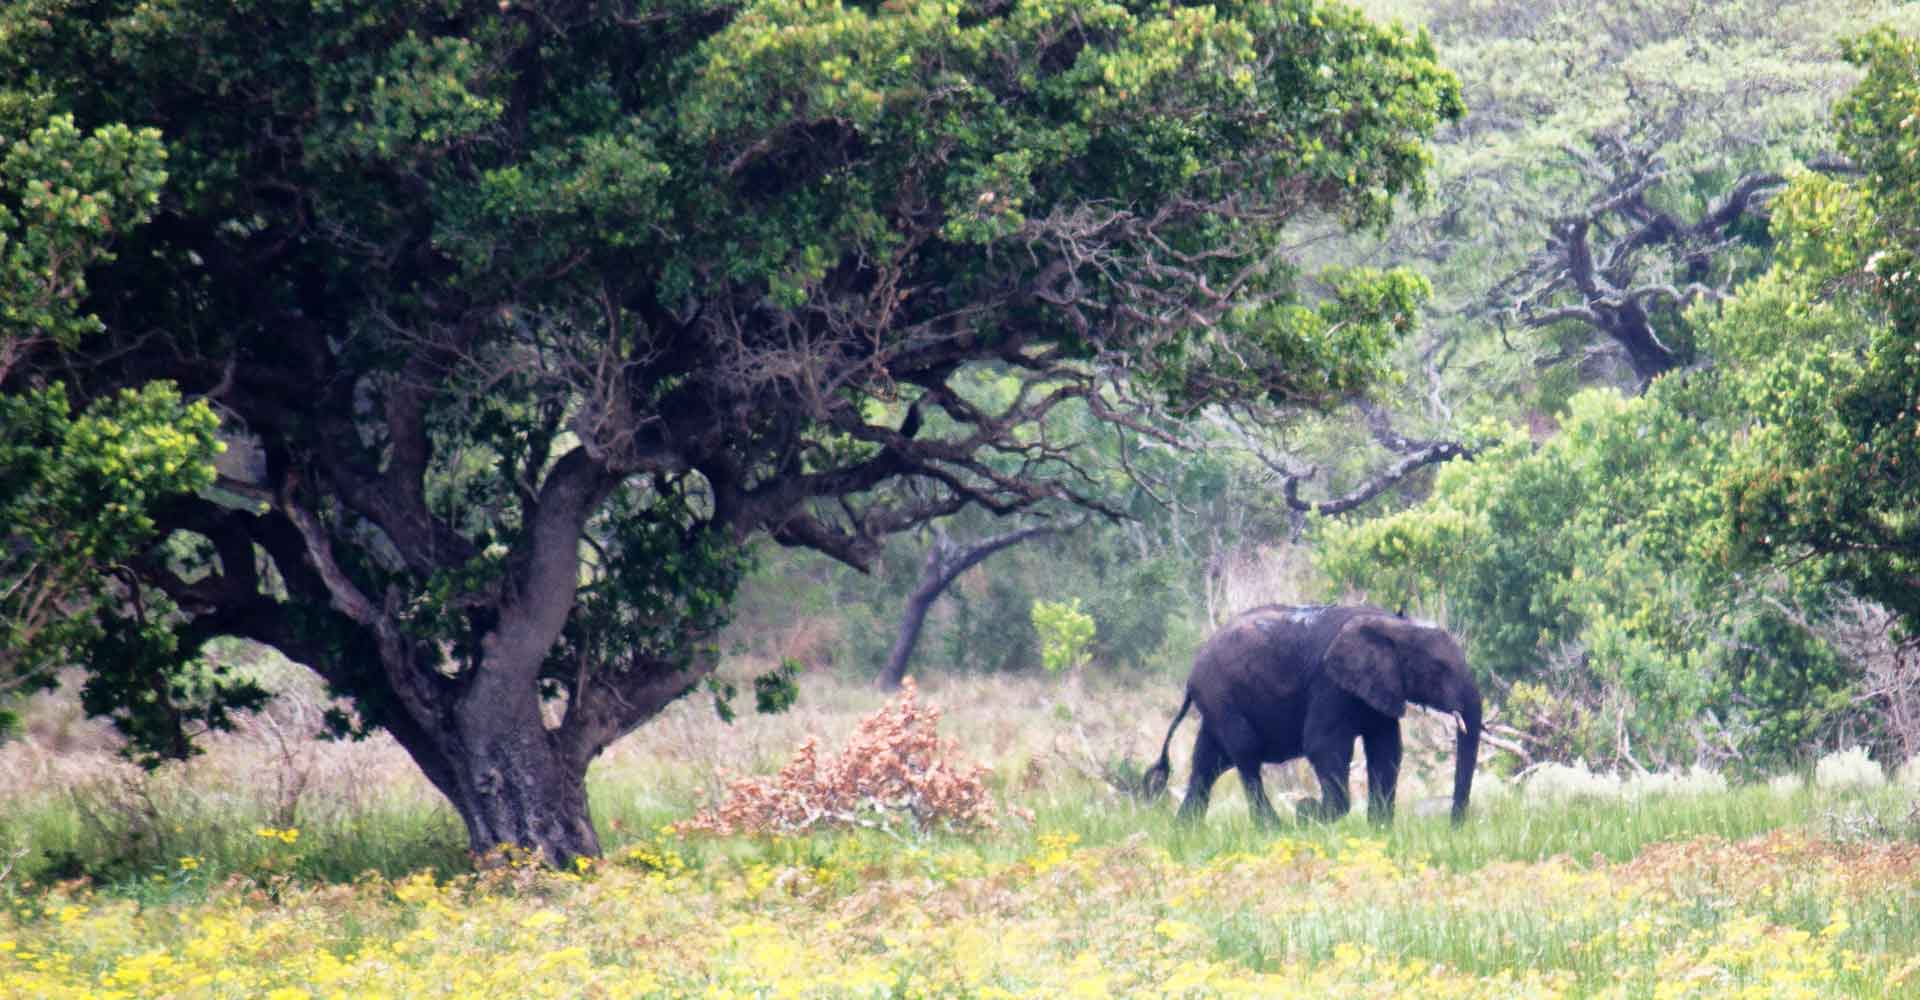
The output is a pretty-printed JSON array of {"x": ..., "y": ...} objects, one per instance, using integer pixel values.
[
  {"x": 1058, "y": 750},
  {"x": 1084, "y": 886}
]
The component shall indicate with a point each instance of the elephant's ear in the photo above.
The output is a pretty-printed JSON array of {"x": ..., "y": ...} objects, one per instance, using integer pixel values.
[{"x": 1364, "y": 659}]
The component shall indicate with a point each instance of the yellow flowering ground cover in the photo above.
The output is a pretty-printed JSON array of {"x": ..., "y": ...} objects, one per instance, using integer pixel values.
[{"x": 1781, "y": 915}]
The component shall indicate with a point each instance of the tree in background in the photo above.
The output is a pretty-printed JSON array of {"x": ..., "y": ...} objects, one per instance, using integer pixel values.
[
  {"x": 946, "y": 560},
  {"x": 1667, "y": 127},
  {"x": 1613, "y": 169},
  {"x": 1830, "y": 469},
  {"x": 537, "y": 312}
]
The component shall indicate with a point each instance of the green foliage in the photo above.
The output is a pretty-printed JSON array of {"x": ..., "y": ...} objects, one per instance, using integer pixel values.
[
  {"x": 1798, "y": 688},
  {"x": 1832, "y": 467},
  {"x": 157, "y": 697},
  {"x": 1589, "y": 567},
  {"x": 78, "y": 494},
  {"x": 722, "y": 691},
  {"x": 664, "y": 575},
  {"x": 775, "y": 691},
  {"x": 1338, "y": 346},
  {"x": 64, "y": 196},
  {"x": 1066, "y": 634}
]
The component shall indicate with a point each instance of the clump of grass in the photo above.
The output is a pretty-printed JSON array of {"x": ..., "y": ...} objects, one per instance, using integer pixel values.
[{"x": 1850, "y": 768}]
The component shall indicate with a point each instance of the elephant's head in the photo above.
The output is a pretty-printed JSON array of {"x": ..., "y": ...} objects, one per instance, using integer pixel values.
[{"x": 1388, "y": 661}]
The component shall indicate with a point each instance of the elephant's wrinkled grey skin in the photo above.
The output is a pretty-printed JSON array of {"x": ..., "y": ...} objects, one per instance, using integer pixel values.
[{"x": 1280, "y": 682}]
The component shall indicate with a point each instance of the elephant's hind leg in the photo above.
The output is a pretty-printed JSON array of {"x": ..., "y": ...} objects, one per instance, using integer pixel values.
[
  {"x": 1257, "y": 803},
  {"x": 1383, "y": 769},
  {"x": 1241, "y": 741},
  {"x": 1209, "y": 760}
]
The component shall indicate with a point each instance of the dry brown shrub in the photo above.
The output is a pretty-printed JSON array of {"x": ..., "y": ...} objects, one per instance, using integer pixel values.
[{"x": 894, "y": 769}]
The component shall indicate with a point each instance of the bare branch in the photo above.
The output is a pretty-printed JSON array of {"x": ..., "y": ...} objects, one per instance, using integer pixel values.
[
  {"x": 1591, "y": 270},
  {"x": 1443, "y": 451}
]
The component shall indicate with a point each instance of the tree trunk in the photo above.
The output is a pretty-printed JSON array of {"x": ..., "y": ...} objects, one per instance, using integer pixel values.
[
  {"x": 932, "y": 585},
  {"x": 505, "y": 773},
  {"x": 520, "y": 793},
  {"x": 513, "y": 782},
  {"x": 477, "y": 731},
  {"x": 483, "y": 741},
  {"x": 944, "y": 564}
]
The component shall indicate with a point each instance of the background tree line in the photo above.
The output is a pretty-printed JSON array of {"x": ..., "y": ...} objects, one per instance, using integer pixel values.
[{"x": 537, "y": 316}]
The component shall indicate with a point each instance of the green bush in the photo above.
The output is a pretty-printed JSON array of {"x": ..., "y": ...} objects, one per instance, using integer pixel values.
[
  {"x": 1066, "y": 634},
  {"x": 1593, "y": 564}
]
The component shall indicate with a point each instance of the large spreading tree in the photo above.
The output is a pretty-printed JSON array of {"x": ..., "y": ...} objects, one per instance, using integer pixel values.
[{"x": 522, "y": 317}]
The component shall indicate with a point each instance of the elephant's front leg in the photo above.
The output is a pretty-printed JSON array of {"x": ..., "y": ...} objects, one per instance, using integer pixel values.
[
  {"x": 1328, "y": 737},
  {"x": 1383, "y": 770},
  {"x": 1330, "y": 765}
]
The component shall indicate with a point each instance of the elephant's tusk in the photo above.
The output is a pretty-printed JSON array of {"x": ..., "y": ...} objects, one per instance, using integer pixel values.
[{"x": 1460, "y": 721}]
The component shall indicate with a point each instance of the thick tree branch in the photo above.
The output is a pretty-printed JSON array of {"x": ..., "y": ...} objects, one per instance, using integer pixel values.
[
  {"x": 418, "y": 689},
  {"x": 609, "y": 704},
  {"x": 1606, "y": 265},
  {"x": 544, "y": 565},
  {"x": 1442, "y": 451}
]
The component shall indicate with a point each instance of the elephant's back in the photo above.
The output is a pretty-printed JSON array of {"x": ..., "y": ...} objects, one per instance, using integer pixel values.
[
  {"x": 1301, "y": 633},
  {"x": 1268, "y": 653}
]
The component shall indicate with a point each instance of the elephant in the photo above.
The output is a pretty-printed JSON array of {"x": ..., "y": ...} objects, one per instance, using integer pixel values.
[{"x": 1280, "y": 682}]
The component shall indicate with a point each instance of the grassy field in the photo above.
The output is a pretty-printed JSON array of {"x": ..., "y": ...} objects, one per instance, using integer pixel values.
[{"x": 276, "y": 866}]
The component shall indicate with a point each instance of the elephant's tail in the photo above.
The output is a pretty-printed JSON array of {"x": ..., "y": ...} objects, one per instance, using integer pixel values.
[{"x": 1154, "y": 782}]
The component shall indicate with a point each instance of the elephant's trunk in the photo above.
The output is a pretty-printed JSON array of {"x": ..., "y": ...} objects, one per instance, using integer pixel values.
[{"x": 1467, "y": 749}]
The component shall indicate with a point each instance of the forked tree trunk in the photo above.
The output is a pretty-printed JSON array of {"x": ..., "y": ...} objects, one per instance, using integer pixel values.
[
  {"x": 478, "y": 732},
  {"x": 509, "y": 778},
  {"x": 484, "y": 742}
]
